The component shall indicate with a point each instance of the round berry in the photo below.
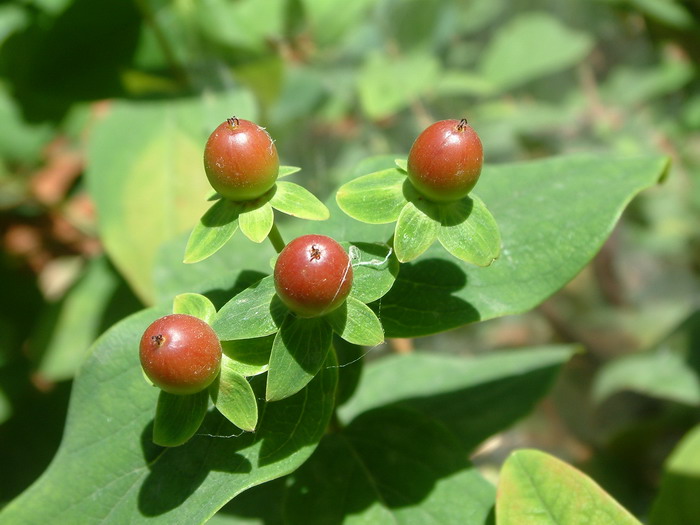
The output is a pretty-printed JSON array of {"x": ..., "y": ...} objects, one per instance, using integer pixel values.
[
  {"x": 180, "y": 353},
  {"x": 313, "y": 275},
  {"x": 445, "y": 160},
  {"x": 241, "y": 160}
]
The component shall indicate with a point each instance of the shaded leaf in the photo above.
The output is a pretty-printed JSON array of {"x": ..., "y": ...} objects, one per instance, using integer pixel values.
[
  {"x": 234, "y": 397},
  {"x": 248, "y": 357},
  {"x": 213, "y": 230},
  {"x": 178, "y": 417},
  {"x": 374, "y": 269},
  {"x": 355, "y": 322},
  {"x": 196, "y": 305}
]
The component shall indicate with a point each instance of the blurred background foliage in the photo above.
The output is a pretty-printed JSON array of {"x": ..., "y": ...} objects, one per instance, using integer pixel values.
[{"x": 105, "y": 107}]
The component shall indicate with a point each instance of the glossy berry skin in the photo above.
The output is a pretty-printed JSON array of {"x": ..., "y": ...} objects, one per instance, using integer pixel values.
[
  {"x": 445, "y": 161},
  {"x": 240, "y": 160},
  {"x": 313, "y": 275},
  {"x": 180, "y": 353}
]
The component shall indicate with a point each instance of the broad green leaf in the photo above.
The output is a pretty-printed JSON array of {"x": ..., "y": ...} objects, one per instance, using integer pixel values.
[
  {"x": 110, "y": 472},
  {"x": 178, "y": 417},
  {"x": 331, "y": 19},
  {"x": 530, "y": 46},
  {"x": 298, "y": 352},
  {"x": 469, "y": 232},
  {"x": 535, "y": 488},
  {"x": 388, "y": 84},
  {"x": 669, "y": 12},
  {"x": 475, "y": 397},
  {"x": 213, "y": 230},
  {"x": 286, "y": 171},
  {"x": 541, "y": 251},
  {"x": 376, "y": 198},
  {"x": 374, "y": 269},
  {"x": 355, "y": 322},
  {"x": 234, "y": 397},
  {"x": 255, "y": 312},
  {"x": 415, "y": 232},
  {"x": 196, "y": 305},
  {"x": 149, "y": 196},
  {"x": 665, "y": 375},
  {"x": 677, "y": 502},
  {"x": 350, "y": 364},
  {"x": 248, "y": 357},
  {"x": 297, "y": 201},
  {"x": 390, "y": 465},
  {"x": 256, "y": 223}
]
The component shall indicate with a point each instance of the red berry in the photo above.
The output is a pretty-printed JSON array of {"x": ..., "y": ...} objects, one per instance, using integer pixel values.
[
  {"x": 180, "y": 353},
  {"x": 241, "y": 160},
  {"x": 445, "y": 160},
  {"x": 313, "y": 275}
]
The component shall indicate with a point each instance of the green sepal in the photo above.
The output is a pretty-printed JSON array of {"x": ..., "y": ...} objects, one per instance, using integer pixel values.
[
  {"x": 234, "y": 397},
  {"x": 297, "y": 201},
  {"x": 256, "y": 222},
  {"x": 374, "y": 268},
  {"x": 300, "y": 348},
  {"x": 249, "y": 357},
  {"x": 469, "y": 231},
  {"x": 178, "y": 417},
  {"x": 286, "y": 171},
  {"x": 402, "y": 164},
  {"x": 213, "y": 230},
  {"x": 376, "y": 198},
  {"x": 415, "y": 231},
  {"x": 355, "y": 322},
  {"x": 196, "y": 305}
]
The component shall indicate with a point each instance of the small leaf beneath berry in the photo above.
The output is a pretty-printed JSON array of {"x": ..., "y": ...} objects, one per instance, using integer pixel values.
[
  {"x": 178, "y": 417},
  {"x": 402, "y": 164},
  {"x": 213, "y": 230},
  {"x": 234, "y": 397},
  {"x": 256, "y": 223},
  {"x": 248, "y": 357},
  {"x": 297, "y": 201},
  {"x": 374, "y": 268},
  {"x": 355, "y": 322},
  {"x": 415, "y": 232},
  {"x": 469, "y": 231},
  {"x": 286, "y": 171},
  {"x": 299, "y": 350},
  {"x": 376, "y": 198},
  {"x": 196, "y": 305}
]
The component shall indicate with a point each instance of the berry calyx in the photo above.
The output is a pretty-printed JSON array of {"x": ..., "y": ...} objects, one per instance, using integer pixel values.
[
  {"x": 313, "y": 275},
  {"x": 445, "y": 161},
  {"x": 240, "y": 160},
  {"x": 180, "y": 354}
]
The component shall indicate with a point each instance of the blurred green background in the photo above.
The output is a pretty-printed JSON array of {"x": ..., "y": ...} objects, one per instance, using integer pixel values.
[{"x": 105, "y": 107}]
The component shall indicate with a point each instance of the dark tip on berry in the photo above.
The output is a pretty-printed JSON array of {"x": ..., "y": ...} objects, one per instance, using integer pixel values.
[
  {"x": 315, "y": 253},
  {"x": 158, "y": 339},
  {"x": 233, "y": 121},
  {"x": 462, "y": 125}
]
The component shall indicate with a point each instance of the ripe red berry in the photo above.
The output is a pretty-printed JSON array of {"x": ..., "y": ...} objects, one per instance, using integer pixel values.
[
  {"x": 180, "y": 353},
  {"x": 313, "y": 275},
  {"x": 240, "y": 160},
  {"x": 445, "y": 160}
]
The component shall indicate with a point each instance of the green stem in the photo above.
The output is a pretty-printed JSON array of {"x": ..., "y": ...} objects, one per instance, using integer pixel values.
[{"x": 276, "y": 239}]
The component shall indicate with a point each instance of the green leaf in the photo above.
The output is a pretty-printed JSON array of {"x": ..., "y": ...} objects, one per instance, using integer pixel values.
[
  {"x": 535, "y": 488},
  {"x": 234, "y": 397},
  {"x": 415, "y": 231},
  {"x": 196, "y": 305},
  {"x": 297, "y": 201},
  {"x": 677, "y": 502},
  {"x": 355, "y": 322},
  {"x": 469, "y": 232},
  {"x": 669, "y": 12},
  {"x": 213, "y": 230},
  {"x": 248, "y": 357},
  {"x": 255, "y": 312},
  {"x": 286, "y": 171},
  {"x": 376, "y": 198},
  {"x": 388, "y": 84},
  {"x": 112, "y": 473},
  {"x": 256, "y": 223},
  {"x": 530, "y": 46},
  {"x": 475, "y": 397},
  {"x": 178, "y": 418},
  {"x": 374, "y": 269},
  {"x": 542, "y": 251},
  {"x": 299, "y": 351},
  {"x": 389, "y": 466},
  {"x": 150, "y": 195}
]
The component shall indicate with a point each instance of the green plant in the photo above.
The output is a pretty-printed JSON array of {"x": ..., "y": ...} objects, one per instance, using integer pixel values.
[
  {"x": 180, "y": 353},
  {"x": 445, "y": 161},
  {"x": 313, "y": 275},
  {"x": 240, "y": 160}
]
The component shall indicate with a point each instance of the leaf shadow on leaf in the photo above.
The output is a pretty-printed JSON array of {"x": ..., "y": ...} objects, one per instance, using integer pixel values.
[
  {"x": 423, "y": 299},
  {"x": 245, "y": 279},
  {"x": 446, "y": 213},
  {"x": 176, "y": 473}
]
